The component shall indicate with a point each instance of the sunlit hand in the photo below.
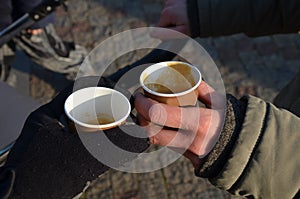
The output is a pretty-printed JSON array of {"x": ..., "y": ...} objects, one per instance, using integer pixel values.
[
  {"x": 173, "y": 17},
  {"x": 192, "y": 131}
]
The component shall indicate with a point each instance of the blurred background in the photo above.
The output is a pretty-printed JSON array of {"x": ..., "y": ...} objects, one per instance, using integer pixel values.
[{"x": 257, "y": 66}]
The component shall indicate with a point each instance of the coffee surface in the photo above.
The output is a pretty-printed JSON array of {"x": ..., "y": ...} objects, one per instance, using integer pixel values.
[
  {"x": 101, "y": 119},
  {"x": 175, "y": 78},
  {"x": 159, "y": 88}
]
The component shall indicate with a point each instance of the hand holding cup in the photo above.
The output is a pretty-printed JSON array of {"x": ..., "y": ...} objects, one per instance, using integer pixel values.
[{"x": 190, "y": 130}]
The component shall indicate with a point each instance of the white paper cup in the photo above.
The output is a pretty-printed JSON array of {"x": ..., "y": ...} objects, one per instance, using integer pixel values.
[
  {"x": 174, "y": 83},
  {"x": 97, "y": 108}
]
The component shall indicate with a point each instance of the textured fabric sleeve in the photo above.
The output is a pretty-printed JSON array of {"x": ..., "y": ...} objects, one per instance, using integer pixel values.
[
  {"x": 47, "y": 160},
  {"x": 252, "y": 17}
]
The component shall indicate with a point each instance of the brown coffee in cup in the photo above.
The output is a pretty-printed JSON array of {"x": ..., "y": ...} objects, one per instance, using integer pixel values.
[
  {"x": 96, "y": 108},
  {"x": 101, "y": 119},
  {"x": 178, "y": 79},
  {"x": 173, "y": 83}
]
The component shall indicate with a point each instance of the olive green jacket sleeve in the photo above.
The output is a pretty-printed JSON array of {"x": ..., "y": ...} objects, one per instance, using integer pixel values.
[
  {"x": 257, "y": 153},
  {"x": 263, "y": 161},
  {"x": 252, "y": 17}
]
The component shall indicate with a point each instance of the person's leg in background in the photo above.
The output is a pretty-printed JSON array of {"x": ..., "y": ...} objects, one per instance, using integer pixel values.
[{"x": 40, "y": 42}]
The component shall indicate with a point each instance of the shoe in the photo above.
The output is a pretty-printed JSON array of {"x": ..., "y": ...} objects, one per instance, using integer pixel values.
[{"x": 49, "y": 51}]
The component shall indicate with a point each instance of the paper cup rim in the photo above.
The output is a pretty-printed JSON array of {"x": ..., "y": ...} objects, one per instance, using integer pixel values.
[
  {"x": 173, "y": 94},
  {"x": 97, "y": 126}
]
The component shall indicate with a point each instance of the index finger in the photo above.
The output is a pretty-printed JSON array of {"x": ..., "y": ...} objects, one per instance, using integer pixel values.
[{"x": 165, "y": 115}]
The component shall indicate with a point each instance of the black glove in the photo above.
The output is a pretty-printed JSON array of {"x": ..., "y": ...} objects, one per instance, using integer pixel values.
[{"x": 49, "y": 162}]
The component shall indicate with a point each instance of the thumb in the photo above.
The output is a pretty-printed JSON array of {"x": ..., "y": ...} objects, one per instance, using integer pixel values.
[{"x": 210, "y": 97}]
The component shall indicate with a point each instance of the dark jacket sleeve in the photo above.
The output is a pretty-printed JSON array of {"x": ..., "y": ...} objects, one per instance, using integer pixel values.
[
  {"x": 252, "y": 17},
  {"x": 257, "y": 158}
]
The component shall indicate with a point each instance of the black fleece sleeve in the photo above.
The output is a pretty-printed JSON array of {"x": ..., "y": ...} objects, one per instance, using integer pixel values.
[
  {"x": 49, "y": 161},
  {"x": 252, "y": 17}
]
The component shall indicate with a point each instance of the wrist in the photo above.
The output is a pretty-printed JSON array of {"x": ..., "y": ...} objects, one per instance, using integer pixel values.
[
  {"x": 215, "y": 124},
  {"x": 214, "y": 161}
]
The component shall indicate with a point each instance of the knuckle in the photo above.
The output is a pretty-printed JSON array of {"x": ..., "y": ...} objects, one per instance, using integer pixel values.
[{"x": 157, "y": 114}]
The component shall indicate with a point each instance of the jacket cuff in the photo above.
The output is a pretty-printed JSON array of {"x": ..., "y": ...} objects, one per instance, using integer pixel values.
[{"x": 214, "y": 161}]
